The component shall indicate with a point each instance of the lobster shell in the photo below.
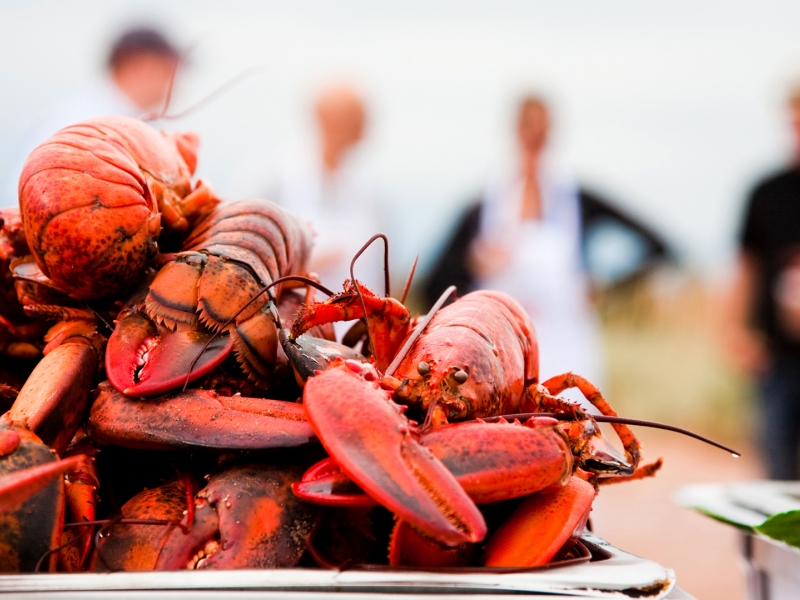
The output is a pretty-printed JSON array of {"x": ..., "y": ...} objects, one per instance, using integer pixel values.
[{"x": 90, "y": 198}]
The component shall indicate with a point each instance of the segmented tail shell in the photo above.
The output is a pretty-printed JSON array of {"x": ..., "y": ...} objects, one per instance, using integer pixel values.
[
  {"x": 90, "y": 198},
  {"x": 230, "y": 256}
]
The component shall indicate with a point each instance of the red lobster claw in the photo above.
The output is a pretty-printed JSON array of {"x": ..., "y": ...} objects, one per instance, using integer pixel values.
[
  {"x": 541, "y": 525},
  {"x": 197, "y": 418},
  {"x": 491, "y": 461},
  {"x": 375, "y": 445},
  {"x": 143, "y": 360}
]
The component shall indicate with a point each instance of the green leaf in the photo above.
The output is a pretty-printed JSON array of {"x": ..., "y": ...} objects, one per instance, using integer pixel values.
[
  {"x": 723, "y": 518},
  {"x": 784, "y": 527}
]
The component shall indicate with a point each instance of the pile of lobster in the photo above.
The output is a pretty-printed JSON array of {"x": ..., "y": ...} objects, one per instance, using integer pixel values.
[{"x": 190, "y": 409}]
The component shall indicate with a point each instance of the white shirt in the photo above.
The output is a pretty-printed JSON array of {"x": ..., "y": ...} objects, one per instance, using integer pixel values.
[
  {"x": 545, "y": 274},
  {"x": 342, "y": 208}
]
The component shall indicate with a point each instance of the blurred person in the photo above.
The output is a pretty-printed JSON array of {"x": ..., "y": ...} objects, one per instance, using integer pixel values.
[
  {"x": 329, "y": 186},
  {"x": 763, "y": 325},
  {"x": 524, "y": 238},
  {"x": 141, "y": 64}
]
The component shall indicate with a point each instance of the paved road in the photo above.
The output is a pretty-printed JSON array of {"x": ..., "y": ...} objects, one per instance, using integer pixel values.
[{"x": 642, "y": 518}]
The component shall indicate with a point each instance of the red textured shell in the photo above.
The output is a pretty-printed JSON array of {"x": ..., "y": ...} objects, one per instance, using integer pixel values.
[
  {"x": 90, "y": 196},
  {"x": 487, "y": 334}
]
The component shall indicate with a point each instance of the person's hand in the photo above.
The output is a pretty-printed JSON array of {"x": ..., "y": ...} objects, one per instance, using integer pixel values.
[{"x": 489, "y": 257}]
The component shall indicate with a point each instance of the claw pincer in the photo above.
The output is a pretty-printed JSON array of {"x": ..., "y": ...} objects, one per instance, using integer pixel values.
[
  {"x": 375, "y": 445},
  {"x": 246, "y": 517},
  {"x": 206, "y": 304}
]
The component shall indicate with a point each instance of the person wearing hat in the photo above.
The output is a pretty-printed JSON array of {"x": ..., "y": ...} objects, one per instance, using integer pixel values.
[{"x": 141, "y": 65}]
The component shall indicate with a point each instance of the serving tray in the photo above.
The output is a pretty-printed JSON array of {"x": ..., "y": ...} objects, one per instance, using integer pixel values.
[{"x": 607, "y": 572}]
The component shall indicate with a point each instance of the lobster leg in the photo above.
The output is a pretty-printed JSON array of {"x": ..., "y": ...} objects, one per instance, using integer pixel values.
[
  {"x": 374, "y": 445},
  {"x": 559, "y": 383},
  {"x": 388, "y": 320},
  {"x": 81, "y": 498},
  {"x": 592, "y": 451},
  {"x": 642, "y": 472},
  {"x": 53, "y": 401}
]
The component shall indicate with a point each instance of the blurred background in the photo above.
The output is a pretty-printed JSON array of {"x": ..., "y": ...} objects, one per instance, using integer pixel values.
[{"x": 669, "y": 111}]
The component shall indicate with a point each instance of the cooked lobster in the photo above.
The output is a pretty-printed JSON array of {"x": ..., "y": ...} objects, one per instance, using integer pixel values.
[{"x": 95, "y": 196}]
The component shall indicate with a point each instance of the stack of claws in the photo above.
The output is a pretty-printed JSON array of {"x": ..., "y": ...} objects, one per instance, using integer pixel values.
[{"x": 205, "y": 418}]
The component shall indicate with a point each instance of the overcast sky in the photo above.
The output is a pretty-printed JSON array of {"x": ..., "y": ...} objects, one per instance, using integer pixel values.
[{"x": 672, "y": 108}]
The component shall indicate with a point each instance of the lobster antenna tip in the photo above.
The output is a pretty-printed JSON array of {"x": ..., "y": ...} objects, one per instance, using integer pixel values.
[
  {"x": 673, "y": 428},
  {"x": 634, "y": 422},
  {"x": 409, "y": 279}
]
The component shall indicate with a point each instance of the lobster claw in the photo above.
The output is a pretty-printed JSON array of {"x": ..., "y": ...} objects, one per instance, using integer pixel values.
[
  {"x": 375, "y": 445},
  {"x": 246, "y": 517},
  {"x": 145, "y": 360},
  {"x": 308, "y": 354},
  {"x": 491, "y": 462},
  {"x": 197, "y": 419},
  {"x": 324, "y": 483}
]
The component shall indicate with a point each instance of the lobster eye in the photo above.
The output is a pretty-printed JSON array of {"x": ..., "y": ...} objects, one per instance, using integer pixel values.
[
  {"x": 460, "y": 376},
  {"x": 423, "y": 368}
]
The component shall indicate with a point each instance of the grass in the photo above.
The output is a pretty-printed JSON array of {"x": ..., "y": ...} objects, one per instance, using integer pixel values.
[{"x": 664, "y": 360}]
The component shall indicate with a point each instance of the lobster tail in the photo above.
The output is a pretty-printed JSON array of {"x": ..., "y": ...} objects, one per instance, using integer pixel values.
[
  {"x": 231, "y": 255},
  {"x": 90, "y": 198}
]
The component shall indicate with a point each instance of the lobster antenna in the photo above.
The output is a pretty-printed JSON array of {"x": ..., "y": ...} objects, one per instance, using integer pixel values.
[
  {"x": 363, "y": 249},
  {"x": 385, "y": 275},
  {"x": 77, "y": 538},
  {"x": 232, "y": 82},
  {"x": 625, "y": 421},
  {"x": 236, "y": 79},
  {"x": 181, "y": 59},
  {"x": 100, "y": 318},
  {"x": 401, "y": 354},
  {"x": 408, "y": 280},
  {"x": 263, "y": 290},
  {"x": 121, "y": 522}
]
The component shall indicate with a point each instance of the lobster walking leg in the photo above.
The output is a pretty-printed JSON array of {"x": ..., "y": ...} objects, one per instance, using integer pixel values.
[
  {"x": 389, "y": 320},
  {"x": 559, "y": 383}
]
